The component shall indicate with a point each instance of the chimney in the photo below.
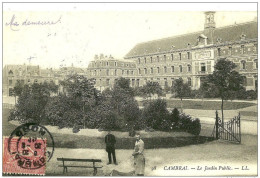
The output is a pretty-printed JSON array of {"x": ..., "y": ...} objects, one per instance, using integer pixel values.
[{"x": 101, "y": 56}]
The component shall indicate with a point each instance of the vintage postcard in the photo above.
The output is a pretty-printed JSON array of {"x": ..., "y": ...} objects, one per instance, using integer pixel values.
[{"x": 130, "y": 89}]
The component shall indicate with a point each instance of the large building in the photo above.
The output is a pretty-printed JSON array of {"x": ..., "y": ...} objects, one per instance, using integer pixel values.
[
  {"x": 106, "y": 70},
  {"x": 192, "y": 56}
]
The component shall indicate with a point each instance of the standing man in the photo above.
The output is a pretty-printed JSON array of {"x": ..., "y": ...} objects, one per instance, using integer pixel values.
[
  {"x": 139, "y": 160},
  {"x": 110, "y": 141}
]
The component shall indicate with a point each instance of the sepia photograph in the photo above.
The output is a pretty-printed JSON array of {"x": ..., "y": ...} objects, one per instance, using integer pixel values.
[{"x": 129, "y": 89}]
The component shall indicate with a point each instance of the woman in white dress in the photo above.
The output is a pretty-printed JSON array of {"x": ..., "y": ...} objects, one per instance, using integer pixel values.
[{"x": 139, "y": 160}]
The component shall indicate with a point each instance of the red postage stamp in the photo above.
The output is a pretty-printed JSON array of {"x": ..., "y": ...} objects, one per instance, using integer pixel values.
[{"x": 22, "y": 155}]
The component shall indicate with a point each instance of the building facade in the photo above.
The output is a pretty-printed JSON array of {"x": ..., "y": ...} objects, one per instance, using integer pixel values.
[
  {"x": 106, "y": 70},
  {"x": 29, "y": 74},
  {"x": 193, "y": 56}
]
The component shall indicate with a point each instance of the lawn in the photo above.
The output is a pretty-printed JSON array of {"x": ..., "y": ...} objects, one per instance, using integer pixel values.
[{"x": 205, "y": 105}]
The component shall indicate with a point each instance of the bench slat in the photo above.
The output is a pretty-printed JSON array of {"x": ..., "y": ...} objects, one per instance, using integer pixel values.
[
  {"x": 82, "y": 166},
  {"x": 80, "y": 160}
]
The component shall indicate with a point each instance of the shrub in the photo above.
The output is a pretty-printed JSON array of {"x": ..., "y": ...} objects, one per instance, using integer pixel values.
[
  {"x": 155, "y": 113},
  {"x": 174, "y": 117}
]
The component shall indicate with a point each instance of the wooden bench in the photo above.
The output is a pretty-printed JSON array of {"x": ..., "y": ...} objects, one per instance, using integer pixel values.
[{"x": 65, "y": 166}]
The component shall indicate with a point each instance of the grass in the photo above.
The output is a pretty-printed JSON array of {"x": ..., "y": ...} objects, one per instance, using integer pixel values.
[{"x": 205, "y": 105}]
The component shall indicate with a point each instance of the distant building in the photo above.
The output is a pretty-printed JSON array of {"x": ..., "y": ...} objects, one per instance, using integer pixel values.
[
  {"x": 29, "y": 74},
  {"x": 193, "y": 56},
  {"x": 106, "y": 70}
]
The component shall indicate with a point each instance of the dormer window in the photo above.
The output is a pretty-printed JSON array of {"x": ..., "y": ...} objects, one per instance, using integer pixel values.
[
  {"x": 243, "y": 37},
  {"x": 10, "y": 72}
]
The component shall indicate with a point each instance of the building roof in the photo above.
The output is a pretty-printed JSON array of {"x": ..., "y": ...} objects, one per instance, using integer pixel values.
[{"x": 226, "y": 34}]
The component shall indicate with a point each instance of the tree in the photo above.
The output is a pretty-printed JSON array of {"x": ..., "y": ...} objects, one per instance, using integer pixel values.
[
  {"x": 151, "y": 88},
  {"x": 83, "y": 95},
  {"x": 156, "y": 114},
  {"x": 181, "y": 89},
  {"x": 18, "y": 88},
  {"x": 31, "y": 103},
  {"x": 224, "y": 81}
]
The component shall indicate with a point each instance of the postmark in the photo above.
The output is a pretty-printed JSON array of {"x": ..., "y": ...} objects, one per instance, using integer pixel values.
[{"x": 26, "y": 151}]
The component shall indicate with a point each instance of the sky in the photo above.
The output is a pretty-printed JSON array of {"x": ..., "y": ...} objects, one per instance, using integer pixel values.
[{"x": 79, "y": 31}]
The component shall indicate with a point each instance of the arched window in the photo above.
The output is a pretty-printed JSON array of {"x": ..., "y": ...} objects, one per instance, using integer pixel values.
[
  {"x": 165, "y": 69},
  {"x": 145, "y": 71},
  {"x": 172, "y": 69}
]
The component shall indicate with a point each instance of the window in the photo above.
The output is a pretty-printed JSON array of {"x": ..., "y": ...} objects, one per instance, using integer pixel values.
[
  {"x": 180, "y": 68},
  {"x": 219, "y": 52},
  {"x": 132, "y": 72},
  {"x": 139, "y": 61},
  {"x": 122, "y": 72},
  {"x": 180, "y": 56},
  {"x": 242, "y": 49},
  {"x": 115, "y": 72},
  {"x": 139, "y": 71},
  {"x": 137, "y": 82},
  {"x": 107, "y": 72},
  {"x": 158, "y": 59},
  {"x": 107, "y": 63},
  {"x": 243, "y": 65},
  {"x": 95, "y": 72},
  {"x": 164, "y": 57},
  {"x": 244, "y": 81},
  {"x": 165, "y": 69},
  {"x": 151, "y": 59},
  {"x": 145, "y": 60},
  {"x": 189, "y": 81},
  {"x": 10, "y": 82},
  {"x": 172, "y": 57},
  {"x": 189, "y": 68},
  {"x": 203, "y": 67},
  {"x": 188, "y": 55},
  {"x": 255, "y": 48},
  {"x": 35, "y": 81},
  {"x": 230, "y": 50},
  {"x": 151, "y": 70},
  {"x": 133, "y": 82},
  {"x": 158, "y": 70},
  {"x": 165, "y": 82},
  {"x": 127, "y": 72},
  {"x": 256, "y": 64},
  {"x": 145, "y": 71},
  {"x": 172, "y": 81},
  {"x": 115, "y": 63},
  {"x": 29, "y": 80},
  {"x": 107, "y": 82},
  {"x": 11, "y": 91}
]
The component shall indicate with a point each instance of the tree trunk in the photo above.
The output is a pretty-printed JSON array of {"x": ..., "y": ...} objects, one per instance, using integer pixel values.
[
  {"x": 222, "y": 111},
  {"x": 84, "y": 120},
  {"x": 181, "y": 105}
]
